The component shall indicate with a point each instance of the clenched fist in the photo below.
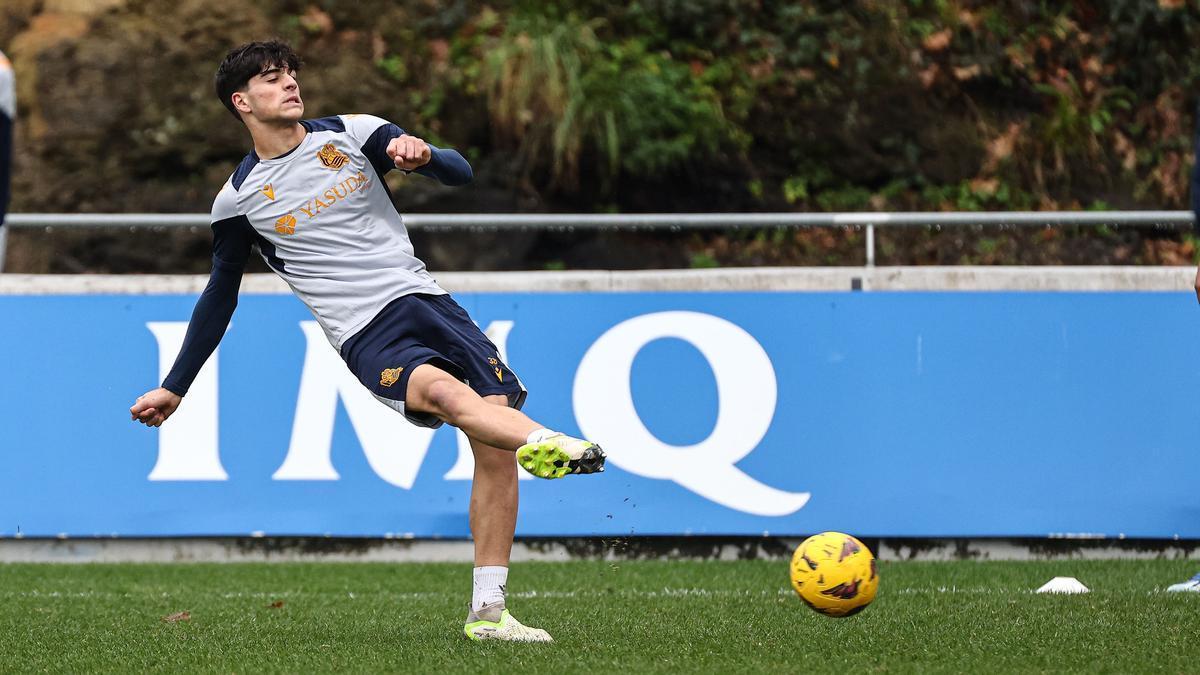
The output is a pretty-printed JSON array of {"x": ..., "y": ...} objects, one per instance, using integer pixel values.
[
  {"x": 154, "y": 407},
  {"x": 409, "y": 152}
]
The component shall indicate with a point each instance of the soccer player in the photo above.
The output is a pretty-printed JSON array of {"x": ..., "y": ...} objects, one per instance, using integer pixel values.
[{"x": 311, "y": 196}]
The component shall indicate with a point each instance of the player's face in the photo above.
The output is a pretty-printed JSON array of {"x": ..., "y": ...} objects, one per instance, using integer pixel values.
[{"x": 274, "y": 95}]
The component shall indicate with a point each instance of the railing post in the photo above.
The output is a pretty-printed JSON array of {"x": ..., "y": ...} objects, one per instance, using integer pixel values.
[
  {"x": 870, "y": 245},
  {"x": 3, "y": 240}
]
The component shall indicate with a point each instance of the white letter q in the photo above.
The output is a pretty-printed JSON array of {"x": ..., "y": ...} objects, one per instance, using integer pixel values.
[{"x": 746, "y": 393}]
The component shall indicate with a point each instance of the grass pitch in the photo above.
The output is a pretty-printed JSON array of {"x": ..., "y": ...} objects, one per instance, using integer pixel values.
[{"x": 654, "y": 616}]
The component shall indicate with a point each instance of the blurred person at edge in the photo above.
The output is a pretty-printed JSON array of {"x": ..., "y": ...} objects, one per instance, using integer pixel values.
[
  {"x": 8, "y": 113},
  {"x": 1193, "y": 585},
  {"x": 1196, "y": 211}
]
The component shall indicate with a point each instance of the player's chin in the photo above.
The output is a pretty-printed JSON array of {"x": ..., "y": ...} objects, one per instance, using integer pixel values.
[{"x": 291, "y": 112}]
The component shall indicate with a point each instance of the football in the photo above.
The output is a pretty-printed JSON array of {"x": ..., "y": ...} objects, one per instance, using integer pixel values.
[{"x": 835, "y": 574}]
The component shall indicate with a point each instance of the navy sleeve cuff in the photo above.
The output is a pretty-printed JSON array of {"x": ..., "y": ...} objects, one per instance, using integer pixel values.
[{"x": 448, "y": 167}]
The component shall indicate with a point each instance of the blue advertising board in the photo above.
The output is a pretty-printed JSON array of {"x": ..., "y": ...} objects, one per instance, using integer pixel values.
[{"x": 882, "y": 414}]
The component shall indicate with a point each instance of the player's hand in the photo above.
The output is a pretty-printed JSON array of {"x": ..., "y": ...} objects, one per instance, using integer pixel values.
[
  {"x": 154, "y": 407},
  {"x": 1198, "y": 284},
  {"x": 409, "y": 152}
]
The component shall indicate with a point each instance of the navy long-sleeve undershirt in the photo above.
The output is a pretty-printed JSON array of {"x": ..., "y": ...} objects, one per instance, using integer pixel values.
[
  {"x": 6, "y": 138},
  {"x": 214, "y": 309}
]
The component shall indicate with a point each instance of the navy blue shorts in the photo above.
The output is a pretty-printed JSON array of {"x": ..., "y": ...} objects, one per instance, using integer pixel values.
[{"x": 420, "y": 328}]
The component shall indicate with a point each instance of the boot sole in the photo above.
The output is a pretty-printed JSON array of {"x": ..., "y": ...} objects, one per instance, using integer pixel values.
[{"x": 547, "y": 460}]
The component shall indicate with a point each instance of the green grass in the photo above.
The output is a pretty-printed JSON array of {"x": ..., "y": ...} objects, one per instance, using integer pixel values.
[{"x": 606, "y": 616}]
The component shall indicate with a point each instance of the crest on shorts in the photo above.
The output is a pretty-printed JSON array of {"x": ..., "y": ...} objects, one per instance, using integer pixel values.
[
  {"x": 286, "y": 224},
  {"x": 390, "y": 376},
  {"x": 331, "y": 157},
  {"x": 496, "y": 368}
]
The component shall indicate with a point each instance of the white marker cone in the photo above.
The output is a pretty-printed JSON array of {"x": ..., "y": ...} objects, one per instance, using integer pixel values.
[{"x": 1063, "y": 585}]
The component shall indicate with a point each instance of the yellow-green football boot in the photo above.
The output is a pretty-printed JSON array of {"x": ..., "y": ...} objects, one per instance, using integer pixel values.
[{"x": 559, "y": 455}]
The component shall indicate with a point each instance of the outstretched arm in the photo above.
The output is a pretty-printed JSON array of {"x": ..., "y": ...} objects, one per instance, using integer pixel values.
[
  {"x": 413, "y": 154},
  {"x": 210, "y": 318}
]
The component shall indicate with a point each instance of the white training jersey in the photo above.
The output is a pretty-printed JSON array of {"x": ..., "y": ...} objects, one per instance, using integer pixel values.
[{"x": 323, "y": 220}]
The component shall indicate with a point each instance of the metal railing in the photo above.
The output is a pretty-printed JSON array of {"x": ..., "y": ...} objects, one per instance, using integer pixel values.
[{"x": 659, "y": 221}]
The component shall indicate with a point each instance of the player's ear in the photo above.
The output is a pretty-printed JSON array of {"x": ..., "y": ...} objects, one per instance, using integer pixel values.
[{"x": 241, "y": 102}]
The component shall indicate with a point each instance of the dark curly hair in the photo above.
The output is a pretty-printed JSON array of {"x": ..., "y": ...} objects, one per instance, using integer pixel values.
[{"x": 248, "y": 60}]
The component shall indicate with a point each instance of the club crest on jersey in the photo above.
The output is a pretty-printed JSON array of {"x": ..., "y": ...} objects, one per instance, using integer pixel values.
[
  {"x": 268, "y": 191},
  {"x": 286, "y": 224},
  {"x": 390, "y": 376},
  {"x": 331, "y": 157},
  {"x": 495, "y": 363}
]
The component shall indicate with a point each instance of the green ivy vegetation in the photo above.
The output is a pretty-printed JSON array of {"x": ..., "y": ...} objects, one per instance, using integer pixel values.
[{"x": 835, "y": 106}]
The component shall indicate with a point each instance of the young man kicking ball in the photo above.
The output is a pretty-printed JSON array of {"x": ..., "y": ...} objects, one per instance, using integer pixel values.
[{"x": 311, "y": 196}]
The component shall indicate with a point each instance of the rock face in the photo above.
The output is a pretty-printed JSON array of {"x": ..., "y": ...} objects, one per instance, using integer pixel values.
[{"x": 652, "y": 106}]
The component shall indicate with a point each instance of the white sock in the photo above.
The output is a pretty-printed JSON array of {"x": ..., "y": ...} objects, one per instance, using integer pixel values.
[
  {"x": 489, "y": 586},
  {"x": 539, "y": 435}
]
